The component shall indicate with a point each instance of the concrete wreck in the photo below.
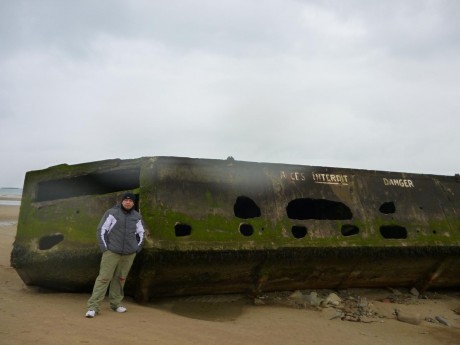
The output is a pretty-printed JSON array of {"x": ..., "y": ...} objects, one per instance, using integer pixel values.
[{"x": 228, "y": 226}]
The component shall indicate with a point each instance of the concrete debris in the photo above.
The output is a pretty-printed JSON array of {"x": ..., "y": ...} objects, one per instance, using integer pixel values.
[
  {"x": 395, "y": 292},
  {"x": 414, "y": 292},
  {"x": 331, "y": 300},
  {"x": 442, "y": 320},
  {"x": 439, "y": 320},
  {"x": 348, "y": 305},
  {"x": 314, "y": 299},
  {"x": 347, "y": 308},
  {"x": 331, "y": 313},
  {"x": 408, "y": 317}
]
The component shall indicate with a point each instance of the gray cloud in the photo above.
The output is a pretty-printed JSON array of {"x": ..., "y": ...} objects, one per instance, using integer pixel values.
[{"x": 356, "y": 84}]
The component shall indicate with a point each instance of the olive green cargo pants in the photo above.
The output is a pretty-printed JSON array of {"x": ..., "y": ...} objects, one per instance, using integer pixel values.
[{"x": 114, "y": 271}]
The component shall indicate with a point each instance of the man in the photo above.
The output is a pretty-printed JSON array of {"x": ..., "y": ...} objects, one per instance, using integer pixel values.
[{"x": 120, "y": 234}]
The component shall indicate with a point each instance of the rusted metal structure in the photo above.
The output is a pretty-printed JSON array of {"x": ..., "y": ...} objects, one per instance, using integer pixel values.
[{"x": 227, "y": 226}]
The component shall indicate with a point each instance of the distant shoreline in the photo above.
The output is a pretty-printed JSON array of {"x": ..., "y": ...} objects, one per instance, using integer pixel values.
[
  {"x": 10, "y": 200},
  {"x": 10, "y": 197}
]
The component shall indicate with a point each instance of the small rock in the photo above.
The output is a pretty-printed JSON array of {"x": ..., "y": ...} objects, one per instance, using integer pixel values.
[
  {"x": 362, "y": 302},
  {"x": 259, "y": 301},
  {"x": 414, "y": 292},
  {"x": 331, "y": 313},
  {"x": 297, "y": 295},
  {"x": 442, "y": 320},
  {"x": 407, "y": 317},
  {"x": 313, "y": 299},
  {"x": 332, "y": 299},
  {"x": 396, "y": 292}
]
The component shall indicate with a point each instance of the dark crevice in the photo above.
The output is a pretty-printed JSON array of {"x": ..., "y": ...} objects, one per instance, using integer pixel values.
[
  {"x": 246, "y": 229},
  {"x": 299, "y": 231},
  {"x": 349, "y": 230},
  {"x": 48, "y": 242},
  {"x": 182, "y": 230},
  {"x": 320, "y": 209},
  {"x": 90, "y": 184},
  {"x": 246, "y": 208},
  {"x": 393, "y": 232},
  {"x": 387, "y": 207}
]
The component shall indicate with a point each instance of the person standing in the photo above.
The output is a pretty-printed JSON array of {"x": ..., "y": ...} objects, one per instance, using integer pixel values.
[{"x": 120, "y": 234}]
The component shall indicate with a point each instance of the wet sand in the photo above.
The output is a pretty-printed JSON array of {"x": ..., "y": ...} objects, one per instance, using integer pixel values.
[{"x": 30, "y": 315}]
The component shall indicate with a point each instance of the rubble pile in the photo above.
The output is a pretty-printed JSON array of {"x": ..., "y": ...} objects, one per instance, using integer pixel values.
[{"x": 349, "y": 305}]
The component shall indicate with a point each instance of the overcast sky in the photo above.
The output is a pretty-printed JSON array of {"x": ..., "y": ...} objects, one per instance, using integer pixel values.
[{"x": 353, "y": 84}]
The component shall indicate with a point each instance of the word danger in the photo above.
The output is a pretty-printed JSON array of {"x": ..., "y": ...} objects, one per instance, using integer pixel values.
[{"x": 398, "y": 182}]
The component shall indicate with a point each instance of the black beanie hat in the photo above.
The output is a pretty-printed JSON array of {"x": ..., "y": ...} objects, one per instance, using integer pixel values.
[{"x": 128, "y": 195}]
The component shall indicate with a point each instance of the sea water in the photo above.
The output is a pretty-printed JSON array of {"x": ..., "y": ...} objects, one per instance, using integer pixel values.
[{"x": 10, "y": 196}]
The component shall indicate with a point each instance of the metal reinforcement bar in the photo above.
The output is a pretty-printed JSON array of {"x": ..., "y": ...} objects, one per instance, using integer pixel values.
[{"x": 227, "y": 226}]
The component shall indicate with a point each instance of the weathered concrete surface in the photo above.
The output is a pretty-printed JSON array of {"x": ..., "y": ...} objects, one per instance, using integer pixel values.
[{"x": 220, "y": 226}]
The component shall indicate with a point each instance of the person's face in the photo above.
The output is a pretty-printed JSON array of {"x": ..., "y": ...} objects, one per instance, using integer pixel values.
[{"x": 127, "y": 204}]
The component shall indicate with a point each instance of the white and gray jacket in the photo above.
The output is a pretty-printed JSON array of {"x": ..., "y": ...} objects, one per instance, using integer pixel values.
[{"x": 121, "y": 231}]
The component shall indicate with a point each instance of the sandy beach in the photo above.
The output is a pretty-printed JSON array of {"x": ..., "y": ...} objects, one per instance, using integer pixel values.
[{"x": 31, "y": 315}]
